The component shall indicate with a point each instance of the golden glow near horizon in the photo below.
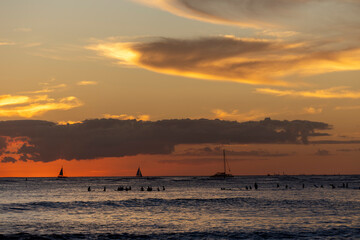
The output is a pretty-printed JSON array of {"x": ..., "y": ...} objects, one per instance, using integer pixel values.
[{"x": 178, "y": 59}]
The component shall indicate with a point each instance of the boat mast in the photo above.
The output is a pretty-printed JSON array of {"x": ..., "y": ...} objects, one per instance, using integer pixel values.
[{"x": 224, "y": 161}]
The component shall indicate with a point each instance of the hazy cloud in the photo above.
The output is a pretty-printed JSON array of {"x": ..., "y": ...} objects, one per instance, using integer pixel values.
[
  {"x": 348, "y": 107},
  {"x": 322, "y": 152},
  {"x": 201, "y": 160},
  {"x": 85, "y": 83},
  {"x": 98, "y": 138},
  {"x": 313, "y": 110},
  {"x": 335, "y": 92},
  {"x": 309, "y": 16},
  {"x": 23, "y": 29},
  {"x": 348, "y": 150},
  {"x": 217, "y": 151},
  {"x": 6, "y": 43},
  {"x": 335, "y": 142}
]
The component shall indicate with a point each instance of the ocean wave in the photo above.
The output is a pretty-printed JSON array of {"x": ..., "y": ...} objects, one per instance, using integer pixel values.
[
  {"x": 332, "y": 233},
  {"x": 212, "y": 203}
]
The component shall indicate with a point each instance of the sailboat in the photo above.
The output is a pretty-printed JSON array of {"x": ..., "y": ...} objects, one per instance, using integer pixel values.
[
  {"x": 138, "y": 173},
  {"x": 61, "y": 173},
  {"x": 223, "y": 174}
]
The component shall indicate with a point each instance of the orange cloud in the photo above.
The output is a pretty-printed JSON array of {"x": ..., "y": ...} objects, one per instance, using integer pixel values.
[
  {"x": 232, "y": 59},
  {"x": 236, "y": 115},
  {"x": 312, "y": 110},
  {"x": 68, "y": 122},
  {"x": 336, "y": 92},
  {"x": 29, "y": 106},
  {"x": 85, "y": 83},
  {"x": 143, "y": 117}
]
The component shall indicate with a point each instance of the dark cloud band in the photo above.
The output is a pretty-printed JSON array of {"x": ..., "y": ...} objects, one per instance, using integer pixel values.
[{"x": 46, "y": 141}]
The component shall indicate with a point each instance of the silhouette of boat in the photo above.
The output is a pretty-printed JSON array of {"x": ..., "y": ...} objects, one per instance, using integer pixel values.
[
  {"x": 223, "y": 174},
  {"x": 138, "y": 173},
  {"x": 61, "y": 173}
]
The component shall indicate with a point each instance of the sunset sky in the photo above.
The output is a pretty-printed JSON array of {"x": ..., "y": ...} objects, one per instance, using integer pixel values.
[{"x": 63, "y": 62}]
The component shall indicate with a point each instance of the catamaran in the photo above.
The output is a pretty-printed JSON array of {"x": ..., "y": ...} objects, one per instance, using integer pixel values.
[
  {"x": 61, "y": 173},
  {"x": 138, "y": 173},
  {"x": 223, "y": 174}
]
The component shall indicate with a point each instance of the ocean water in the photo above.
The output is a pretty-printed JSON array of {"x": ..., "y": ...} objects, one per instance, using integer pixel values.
[{"x": 189, "y": 208}]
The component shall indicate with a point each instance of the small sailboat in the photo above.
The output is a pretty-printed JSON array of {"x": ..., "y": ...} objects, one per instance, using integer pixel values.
[
  {"x": 138, "y": 173},
  {"x": 223, "y": 174},
  {"x": 61, "y": 173}
]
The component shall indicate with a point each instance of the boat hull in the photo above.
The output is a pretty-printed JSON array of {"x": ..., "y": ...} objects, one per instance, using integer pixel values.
[{"x": 222, "y": 175}]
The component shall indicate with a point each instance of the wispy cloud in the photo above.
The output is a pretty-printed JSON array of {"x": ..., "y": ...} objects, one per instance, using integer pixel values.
[
  {"x": 313, "y": 110},
  {"x": 6, "y": 43},
  {"x": 310, "y": 16},
  {"x": 238, "y": 116},
  {"x": 335, "y": 92},
  {"x": 322, "y": 152},
  {"x": 348, "y": 107},
  {"x": 47, "y": 88},
  {"x": 29, "y": 106},
  {"x": 23, "y": 29},
  {"x": 142, "y": 117},
  {"x": 85, "y": 83},
  {"x": 232, "y": 59},
  {"x": 307, "y": 41}
]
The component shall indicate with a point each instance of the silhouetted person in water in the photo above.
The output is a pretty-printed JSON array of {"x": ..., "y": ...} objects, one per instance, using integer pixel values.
[
  {"x": 246, "y": 187},
  {"x": 158, "y": 189},
  {"x": 104, "y": 189},
  {"x": 343, "y": 185},
  {"x": 142, "y": 189},
  {"x": 149, "y": 188},
  {"x": 250, "y": 187},
  {"x": 321, "y": 186},
  {"x": 346, "y": 185},
  {"x": 277, "y": 185},
  {"x": 129, "y": 187},
  {"x": 303, "y": 185},
  {"x": 286, "y": 186},
  {"x": 255, "y": 186},
  {"x": 89, "y": 189},
  {"x": 163, "y": 188},
  {"x": 332, "y": 185}
]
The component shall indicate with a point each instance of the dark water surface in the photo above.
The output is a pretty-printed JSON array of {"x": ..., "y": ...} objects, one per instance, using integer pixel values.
[{"x": 189, "y": 208}]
